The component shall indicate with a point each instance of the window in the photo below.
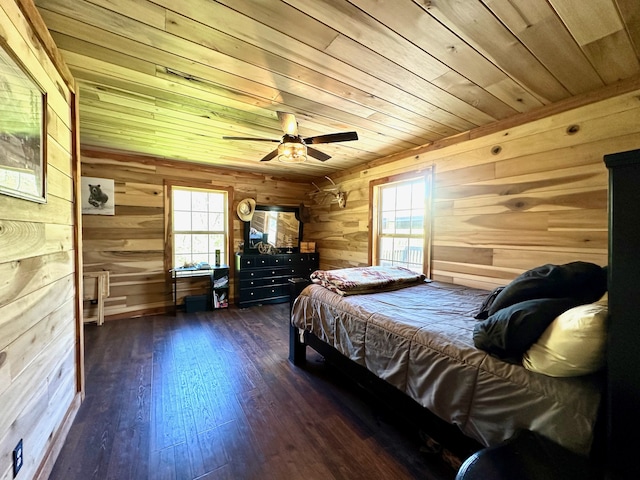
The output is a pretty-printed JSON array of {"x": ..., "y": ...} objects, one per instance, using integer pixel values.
[
  {"x": 199, "y": 220},
  {"x": 401, "y": 222}
]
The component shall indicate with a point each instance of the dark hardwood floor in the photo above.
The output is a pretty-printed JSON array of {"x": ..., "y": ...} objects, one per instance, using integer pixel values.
[{"x": 212, "y": 395}]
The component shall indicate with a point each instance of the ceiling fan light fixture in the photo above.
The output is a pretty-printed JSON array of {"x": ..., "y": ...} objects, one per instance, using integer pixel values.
[{"x": 292, "y": 150}]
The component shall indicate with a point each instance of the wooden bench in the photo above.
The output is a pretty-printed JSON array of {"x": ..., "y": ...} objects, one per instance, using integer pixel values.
[{"x": 95, "y": 289}]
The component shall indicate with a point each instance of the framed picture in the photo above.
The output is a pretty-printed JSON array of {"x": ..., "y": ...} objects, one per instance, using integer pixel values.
[
  {"x": 22, "y": 131},
  {"x": 98, "y": 196}
]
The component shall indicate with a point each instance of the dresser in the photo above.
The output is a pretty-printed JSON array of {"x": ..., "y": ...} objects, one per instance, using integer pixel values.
[{"x": 263, "y": 279}]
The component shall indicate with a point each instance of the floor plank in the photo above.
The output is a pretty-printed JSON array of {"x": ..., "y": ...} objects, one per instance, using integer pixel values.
[{"x": 211, "y": 395}]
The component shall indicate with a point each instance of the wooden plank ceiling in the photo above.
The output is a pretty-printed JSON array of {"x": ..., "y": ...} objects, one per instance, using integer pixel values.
[{"x": 170, "y": 78}]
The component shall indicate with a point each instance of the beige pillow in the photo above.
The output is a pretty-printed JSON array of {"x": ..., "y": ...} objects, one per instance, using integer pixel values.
[{"x": 574, "y": 344}]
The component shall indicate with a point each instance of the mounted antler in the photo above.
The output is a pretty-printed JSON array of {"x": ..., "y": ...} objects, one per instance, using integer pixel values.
[{"x": 334, "y": 191}]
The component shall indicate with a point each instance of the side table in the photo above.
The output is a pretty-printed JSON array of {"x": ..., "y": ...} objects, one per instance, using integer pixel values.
[{"x": 183, "y": 274}]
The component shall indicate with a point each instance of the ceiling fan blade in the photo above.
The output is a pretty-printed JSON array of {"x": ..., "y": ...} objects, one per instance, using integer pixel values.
[
  {"x": 317, "y": 154},
  {"x": 251, "y": 138},
  {"x": 269, "y": 155},
  {"x": 332, "y": 138},
  {"x": 289, "y": 123}
]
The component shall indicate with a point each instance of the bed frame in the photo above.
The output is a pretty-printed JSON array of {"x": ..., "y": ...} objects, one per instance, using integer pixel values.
[
  {"x": 449, "y": 436},
  {"x": 613, "y": 446},
  {"x": 429, "y": 424}
]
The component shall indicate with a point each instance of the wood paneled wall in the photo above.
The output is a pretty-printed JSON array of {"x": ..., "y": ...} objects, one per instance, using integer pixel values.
[
  {"x": 503, "y": 202},
  {"x": 131, "y": 244},
  {"x": 38, "y": 330}
]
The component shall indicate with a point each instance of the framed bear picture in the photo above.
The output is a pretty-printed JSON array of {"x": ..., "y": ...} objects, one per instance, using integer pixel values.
[{"x": 98, "y": 196}]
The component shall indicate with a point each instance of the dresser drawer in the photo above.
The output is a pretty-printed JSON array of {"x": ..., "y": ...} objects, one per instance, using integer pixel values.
[
  {"x": 263, "y": 261},
  {"x": 265, "y": 293},
  {"x": 279, "y": 260},
  {"x": 265, "y": 278},
  {"x": 264, "y": 273},
  {"x": 304, "y": 270},
  {"x": 246, "y": 284},
  {"x": 245, "y": 261},
  {"x": 251, "y": 283}
]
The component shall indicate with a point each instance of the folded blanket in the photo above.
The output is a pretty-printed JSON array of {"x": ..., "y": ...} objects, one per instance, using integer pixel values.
[{"x": 359, "y": 280}]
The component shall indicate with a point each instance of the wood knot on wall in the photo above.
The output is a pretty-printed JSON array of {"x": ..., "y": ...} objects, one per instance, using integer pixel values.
[
  {"x": 573, "y": 129},
  {"x": 519, "y": 204}
]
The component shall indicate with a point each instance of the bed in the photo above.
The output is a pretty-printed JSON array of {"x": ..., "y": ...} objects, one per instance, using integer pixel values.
[{"x": 418, "y": 338}]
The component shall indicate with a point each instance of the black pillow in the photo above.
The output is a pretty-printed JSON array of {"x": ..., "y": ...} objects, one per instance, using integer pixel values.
[
  {"x": 584, "y": 281},
  {"x": 486, "y": 305},
  {"x": 510, "y": 332}
]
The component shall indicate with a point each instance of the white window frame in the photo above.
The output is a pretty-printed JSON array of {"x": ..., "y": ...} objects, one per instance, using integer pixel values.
[
  {"x": 170, "y": 258},
  {"x": 376, "y": 187}
]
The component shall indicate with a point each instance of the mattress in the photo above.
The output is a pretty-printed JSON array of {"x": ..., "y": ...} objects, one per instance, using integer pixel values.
[{"x": 419, "y": 339}]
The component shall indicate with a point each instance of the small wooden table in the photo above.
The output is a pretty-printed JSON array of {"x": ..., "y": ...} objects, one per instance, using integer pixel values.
[
  {"x": 95, "y": 289},
  {"x": 185, "y": 273}
]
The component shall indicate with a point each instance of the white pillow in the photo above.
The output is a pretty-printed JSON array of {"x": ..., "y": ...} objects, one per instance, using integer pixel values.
[{"x": 574, "y": 344}]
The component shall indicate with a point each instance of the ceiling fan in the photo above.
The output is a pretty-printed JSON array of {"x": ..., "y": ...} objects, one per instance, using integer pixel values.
[{"x": 292, "y": 147}]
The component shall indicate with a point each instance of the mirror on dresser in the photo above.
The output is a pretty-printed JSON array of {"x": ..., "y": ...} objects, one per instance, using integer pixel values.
[
  {"x": 274, "y": 225},
  {"x": 265, "y": 278}
]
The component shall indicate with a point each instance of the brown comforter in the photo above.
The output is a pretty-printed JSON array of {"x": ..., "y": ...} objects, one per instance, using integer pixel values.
[{"x": 419, "y": 339}]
